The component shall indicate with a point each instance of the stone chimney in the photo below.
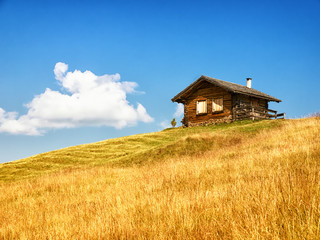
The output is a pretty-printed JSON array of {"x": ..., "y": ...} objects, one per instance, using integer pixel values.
[{"x": 249, "y": 82}]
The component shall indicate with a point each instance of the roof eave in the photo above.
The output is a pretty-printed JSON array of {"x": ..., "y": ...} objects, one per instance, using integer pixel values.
[
  {"x": 272, "y": 99},
  {"x": 176, "y": 98}
]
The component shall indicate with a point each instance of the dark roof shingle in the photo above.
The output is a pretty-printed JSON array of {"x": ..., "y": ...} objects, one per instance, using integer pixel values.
[{"x": 229, "y": 86}]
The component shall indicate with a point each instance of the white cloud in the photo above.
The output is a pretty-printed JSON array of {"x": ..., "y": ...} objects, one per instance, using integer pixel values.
[
  {"x": 90, "y": 101},
  {"x": 179, "y": 110},
  {"x": 165, "y": 124},
  {"x": 59, "y": 70}
]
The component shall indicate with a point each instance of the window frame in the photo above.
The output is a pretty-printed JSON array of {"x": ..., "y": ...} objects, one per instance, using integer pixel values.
[
  {"x": 206, "y": 107},
  {"x": 214, "y": 105}
]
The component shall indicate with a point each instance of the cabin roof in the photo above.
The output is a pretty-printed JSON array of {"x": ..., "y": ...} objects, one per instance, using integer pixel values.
[{"x": 229, "y": 86}]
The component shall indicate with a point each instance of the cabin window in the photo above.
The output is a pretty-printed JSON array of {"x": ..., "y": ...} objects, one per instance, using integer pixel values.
[
  {"x": 201, "y": 107},
  {"x": 217, "y": 104}
]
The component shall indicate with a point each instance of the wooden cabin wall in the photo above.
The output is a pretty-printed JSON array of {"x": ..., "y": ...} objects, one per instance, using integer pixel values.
[
  {"x": 244, "y": 100},
  {"x": 207, "y": 91},
  {"x": 246, "y": 107}
]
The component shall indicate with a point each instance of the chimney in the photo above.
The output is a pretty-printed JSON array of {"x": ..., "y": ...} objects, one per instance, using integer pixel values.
[{"x": 249, "y": 82}]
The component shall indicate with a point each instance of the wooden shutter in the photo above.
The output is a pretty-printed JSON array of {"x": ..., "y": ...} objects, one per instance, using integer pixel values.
[
  {"x": 201, "y": 107},
  {"x": 217, "y": 104},
  {"x": 204, "y": 107},
  {"x": 220, "y": 104},
  {"x": 197, "y": 107}
]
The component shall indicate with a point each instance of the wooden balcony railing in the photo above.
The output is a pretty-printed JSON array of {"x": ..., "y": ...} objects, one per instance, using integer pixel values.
[
  {"x": 274, "y": 114},
  {"x": 255, "y": 113}
]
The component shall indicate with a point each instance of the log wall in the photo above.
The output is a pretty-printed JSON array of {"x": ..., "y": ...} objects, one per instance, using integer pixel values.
[
  {"x": 249, "y": 112},
  {"x": 246, "y": 107},
  {"x": 208, "y": 92},
  {"x": 244, "y": 100}
]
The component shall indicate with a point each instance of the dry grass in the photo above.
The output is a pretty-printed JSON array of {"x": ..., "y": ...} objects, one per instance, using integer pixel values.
[
  {"x": 253, "y": 186},
  {"x": 131, "y": 150}
]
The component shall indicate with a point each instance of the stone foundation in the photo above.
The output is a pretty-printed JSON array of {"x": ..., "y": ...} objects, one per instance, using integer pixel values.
[{"x": 227, "y": 119}]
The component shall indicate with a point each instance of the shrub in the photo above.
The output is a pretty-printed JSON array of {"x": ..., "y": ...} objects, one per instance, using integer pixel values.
[{"x": 173, "y": 122}]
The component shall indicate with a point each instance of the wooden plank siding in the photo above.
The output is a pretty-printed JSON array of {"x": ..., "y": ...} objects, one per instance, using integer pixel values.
[
  {"x": 207, "y": 92},
  {"x": 249, "y": 112},
  {"x": 244, "y": 100}
]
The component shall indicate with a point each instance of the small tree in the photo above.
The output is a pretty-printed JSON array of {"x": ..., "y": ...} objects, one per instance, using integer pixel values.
[{"x": 173, "y": 122}]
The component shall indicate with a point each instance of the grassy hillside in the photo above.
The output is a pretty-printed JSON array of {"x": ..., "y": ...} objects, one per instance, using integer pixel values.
[
  {"x": 136, "y": 149},
  {"x": 246, "y": 180}
]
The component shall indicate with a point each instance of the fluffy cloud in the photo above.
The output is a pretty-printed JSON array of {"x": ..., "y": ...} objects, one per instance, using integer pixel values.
[
  {"x": 165, "y": 124},
  {"x": 179, "y": 110},
  {"x": 85, "y": 100}
]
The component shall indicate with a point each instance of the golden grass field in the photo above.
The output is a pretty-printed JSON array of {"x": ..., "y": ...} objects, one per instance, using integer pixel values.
[{"x": 246, "y": 180}]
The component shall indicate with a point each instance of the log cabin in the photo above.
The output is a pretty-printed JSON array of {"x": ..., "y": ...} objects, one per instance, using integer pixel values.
[{"x": 209, "y": 101}]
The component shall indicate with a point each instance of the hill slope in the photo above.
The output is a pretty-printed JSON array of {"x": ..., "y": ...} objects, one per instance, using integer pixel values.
[
  {"x": 244, "y": 180},
  {"x": 136, "y": 149}
]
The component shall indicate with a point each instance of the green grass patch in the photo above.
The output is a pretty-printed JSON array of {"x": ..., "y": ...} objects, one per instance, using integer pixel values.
[{"x": 137, "y": 149}]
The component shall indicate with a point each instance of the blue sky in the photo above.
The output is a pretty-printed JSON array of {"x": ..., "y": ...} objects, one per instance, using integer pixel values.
[{"x": 158, "y": 48}]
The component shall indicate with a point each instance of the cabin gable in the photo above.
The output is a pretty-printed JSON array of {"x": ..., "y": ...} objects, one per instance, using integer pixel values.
[{"x": 208, "y": 93}]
